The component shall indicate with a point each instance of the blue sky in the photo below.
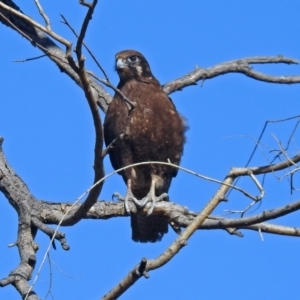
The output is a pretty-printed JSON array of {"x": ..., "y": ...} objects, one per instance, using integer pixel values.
[{"x": 49, "y": 138}]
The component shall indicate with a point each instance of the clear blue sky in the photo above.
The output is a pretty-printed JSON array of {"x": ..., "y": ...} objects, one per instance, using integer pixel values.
[{"x": 49, "y": 139}]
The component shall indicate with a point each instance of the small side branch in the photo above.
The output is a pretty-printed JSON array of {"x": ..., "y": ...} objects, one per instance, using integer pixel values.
[
  {"x": 42, "y": 13},
  {"x": 116, "y": 90},
  {"x": 51, "y": 232},
  {"x": 268, "y": 168}
]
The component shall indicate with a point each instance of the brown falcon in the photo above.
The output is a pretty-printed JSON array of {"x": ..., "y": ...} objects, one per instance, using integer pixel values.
[{"x": 153, "y": 131}]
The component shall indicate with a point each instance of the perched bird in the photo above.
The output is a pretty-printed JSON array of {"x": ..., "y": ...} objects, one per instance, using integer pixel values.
[{"x": 152, "y": 131}]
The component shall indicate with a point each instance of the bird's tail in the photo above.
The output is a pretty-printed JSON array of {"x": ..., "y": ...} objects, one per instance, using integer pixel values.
[{"x": 148, "y": 229}]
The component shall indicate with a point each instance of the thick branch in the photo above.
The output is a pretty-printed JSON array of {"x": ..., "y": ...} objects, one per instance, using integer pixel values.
[
  {"x": 177, "y": 214},
  {"x": 234, "y": 66},
  {"x": 51, "y": 213},
  {"x": 20, "y": 198}
]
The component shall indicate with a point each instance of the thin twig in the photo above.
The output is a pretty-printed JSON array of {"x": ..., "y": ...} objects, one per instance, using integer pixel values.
[
  {"x": 262, "y": 133},
  {"x": 111, "y": 145},
  {"x": 63, "y": 272},
  {"x": 86, "y": 47},
  {"x": 50, "y": 278},
  {"x": 28, "y": 59},
  {"x": 108, "y": 84},
  {"x": 42, "y": 13}
]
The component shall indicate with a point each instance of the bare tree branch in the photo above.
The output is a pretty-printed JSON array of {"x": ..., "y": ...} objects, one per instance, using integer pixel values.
[
  {"x": 92, "y": 101},
  {"x": 267, "y": 169},
  {"x": 43, "y": 14},
  {"x": 36, "y": 25},
  {"x": 20, "y": 198},
  {"x": 234, "y": 66}
]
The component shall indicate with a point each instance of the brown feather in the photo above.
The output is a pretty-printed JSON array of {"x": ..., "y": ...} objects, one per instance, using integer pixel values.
[{"x": 155, "y": 132}]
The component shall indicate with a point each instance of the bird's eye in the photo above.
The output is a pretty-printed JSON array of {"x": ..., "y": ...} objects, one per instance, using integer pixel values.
[{"x": 133, "y": 59}]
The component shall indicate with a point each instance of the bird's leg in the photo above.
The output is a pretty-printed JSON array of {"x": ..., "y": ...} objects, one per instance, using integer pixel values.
[
  {"x": 129, "y": 196},
  {"x": 152, "y": 197}
]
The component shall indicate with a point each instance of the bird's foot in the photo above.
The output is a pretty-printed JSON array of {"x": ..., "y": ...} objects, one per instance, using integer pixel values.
[
  {"x": 153, "y": 199},
  {"x": 128, "y": 197}
]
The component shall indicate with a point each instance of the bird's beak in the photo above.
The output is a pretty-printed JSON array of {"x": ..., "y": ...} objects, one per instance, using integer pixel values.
[{"x": 121, "y": 63}]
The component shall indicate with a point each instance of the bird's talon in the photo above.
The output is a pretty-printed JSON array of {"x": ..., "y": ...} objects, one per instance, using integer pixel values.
[
  {"x": 143, "y": 202},
  {"x": 127, "y": 208},
  {"x": 128, "y": 197},
  {"x": 117, "y": 196},
  {"x": 137, "y": 202},
  {"x": 151, "y": 197},
  {"x": 150, "y": 211}
]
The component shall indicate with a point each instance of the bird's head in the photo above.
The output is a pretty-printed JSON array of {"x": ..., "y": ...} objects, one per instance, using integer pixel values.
[{"x": 131, "y": 64}]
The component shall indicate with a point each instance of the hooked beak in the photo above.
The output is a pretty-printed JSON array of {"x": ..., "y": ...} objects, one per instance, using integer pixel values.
[{"x": 121, "y": 64}]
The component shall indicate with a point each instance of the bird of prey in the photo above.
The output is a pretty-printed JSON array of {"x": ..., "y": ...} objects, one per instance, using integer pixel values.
[{"x": 152, "y": 131}]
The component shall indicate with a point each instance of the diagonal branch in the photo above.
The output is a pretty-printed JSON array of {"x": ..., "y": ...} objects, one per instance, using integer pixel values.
[
  {"x": 43, "y": 14},
  {"x": 36, "y": 25},
  {"x": 174, "y": 248}
]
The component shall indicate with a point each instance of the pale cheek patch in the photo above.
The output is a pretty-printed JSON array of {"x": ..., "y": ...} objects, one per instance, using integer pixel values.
[{"x": 139, "y": 70}]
